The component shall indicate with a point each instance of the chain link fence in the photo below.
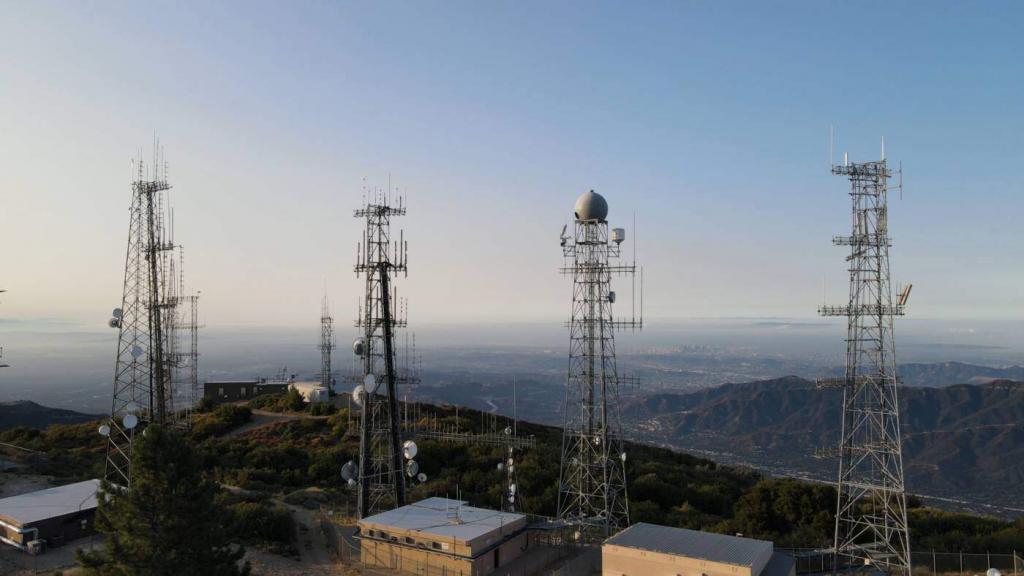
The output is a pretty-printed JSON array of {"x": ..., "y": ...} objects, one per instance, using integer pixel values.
[{"x": 923, "y": 563}]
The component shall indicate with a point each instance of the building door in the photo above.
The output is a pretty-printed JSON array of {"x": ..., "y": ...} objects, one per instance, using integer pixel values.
[{"x": 497, "y": 557}]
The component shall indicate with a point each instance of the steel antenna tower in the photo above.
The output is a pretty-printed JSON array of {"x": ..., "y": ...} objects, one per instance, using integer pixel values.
[
  {"x": 381, "y": 483},
  {"x": 508, "y": 503},
  {"x": 326, "y": 346},
  {"x": 188, "y": 361},
  {"x": 142, "y": 371},
  {"x": 592, "y": 489},
  {"x": 871, "y": 515}
]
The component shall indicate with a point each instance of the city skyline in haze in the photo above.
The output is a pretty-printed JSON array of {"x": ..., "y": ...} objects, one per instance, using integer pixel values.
[{"x": 709, "y": 122}]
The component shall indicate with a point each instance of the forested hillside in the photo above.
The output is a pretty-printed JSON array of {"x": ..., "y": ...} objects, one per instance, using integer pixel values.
[
  {"x": 284, "y": 459},
  {"x": 963, "y": 441}
]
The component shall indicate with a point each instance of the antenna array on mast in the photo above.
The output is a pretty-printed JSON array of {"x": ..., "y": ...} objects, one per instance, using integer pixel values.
[
  {"x": 871, "y": 517},
  {"x": 148, "y": 323},
  {"x": 380, "y": 258},
  {"x": 592, "y": 488}
]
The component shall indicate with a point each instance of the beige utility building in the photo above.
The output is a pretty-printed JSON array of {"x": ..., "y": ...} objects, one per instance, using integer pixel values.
[
  {"x": 442, "y": 537},
  {"x": 652, "y": 550}
]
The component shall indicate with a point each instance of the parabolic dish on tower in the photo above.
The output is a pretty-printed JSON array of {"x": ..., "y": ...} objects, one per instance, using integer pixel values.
[{"x": 591, "y": 206}]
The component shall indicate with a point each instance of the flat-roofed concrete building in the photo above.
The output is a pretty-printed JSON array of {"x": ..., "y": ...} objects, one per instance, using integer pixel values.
[
  {"x": 52, "y": 516},
  {"x": 234, "y": 390},
  {"x": 650, "y": 550},
  {"x": 438, "y": 536}
]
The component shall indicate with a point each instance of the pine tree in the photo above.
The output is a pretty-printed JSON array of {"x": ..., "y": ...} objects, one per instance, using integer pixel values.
[{"x": 169, "y": 522}]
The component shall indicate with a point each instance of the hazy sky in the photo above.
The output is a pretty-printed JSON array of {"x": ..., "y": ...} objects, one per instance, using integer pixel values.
[{"x": 709, "y": 120}]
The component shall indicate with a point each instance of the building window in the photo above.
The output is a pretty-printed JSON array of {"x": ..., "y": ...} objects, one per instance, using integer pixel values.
[
  {"x": 409, "y": 540},
  {"x": 435, "y": 545},
  {"x": 382, "y": 534},
  {"x": 220, "y": 391}
]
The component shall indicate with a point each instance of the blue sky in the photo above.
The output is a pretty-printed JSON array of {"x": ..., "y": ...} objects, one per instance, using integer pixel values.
[{"x": 709, "y": 120}]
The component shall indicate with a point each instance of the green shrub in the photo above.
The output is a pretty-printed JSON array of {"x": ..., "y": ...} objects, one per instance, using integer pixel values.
[
  {"x": 205, "y": 404},
  {"x": 322, "y": 409},
  {"x": 268, "y": 402},
  {"x": 263, "y": 522},
  {"x": 294, "y": 401},
  {"x": 221, "y": 420}
]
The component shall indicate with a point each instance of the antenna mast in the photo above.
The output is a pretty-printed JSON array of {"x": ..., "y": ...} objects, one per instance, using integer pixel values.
[
  {"x": 592, "y": 489},
  {"x": 326, "y": 346},
  {"x": 143, "y": 384},
  {"x": 871, "y": 517},
  {"x": 381, "y": 483}
]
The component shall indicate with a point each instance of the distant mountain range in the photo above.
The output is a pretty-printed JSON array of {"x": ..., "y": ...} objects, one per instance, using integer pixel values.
[
  {"x": 963, "y": 441},
  {"x": 949, "y": 373},
  {"x": 27, "y": 413}
]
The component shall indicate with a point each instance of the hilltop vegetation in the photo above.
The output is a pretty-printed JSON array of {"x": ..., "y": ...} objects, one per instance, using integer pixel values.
[{"x": 283, "y": 459}]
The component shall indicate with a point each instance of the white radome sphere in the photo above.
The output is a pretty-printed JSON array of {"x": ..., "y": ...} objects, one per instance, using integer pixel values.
[{"x": 591, "y": 206}]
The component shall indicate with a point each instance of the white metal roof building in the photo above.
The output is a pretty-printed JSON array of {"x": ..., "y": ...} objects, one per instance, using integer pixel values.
[
  {"x": 53, "y": 514},
  {"x": 652, "y": 549},
  {"x": 442, "y": 534}
]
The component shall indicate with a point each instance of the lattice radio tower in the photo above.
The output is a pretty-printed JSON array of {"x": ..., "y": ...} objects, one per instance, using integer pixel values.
[
  {"x": 147, "y": 321},
  {"x": 381, "y": 258},
  {"x": 592, "y": 489},
  {"x": 871, "y": 516},
  {"x": 187, "y": 359},
  {"x": 327, "y": 346},
  {"x": 179, "y": 324}
]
